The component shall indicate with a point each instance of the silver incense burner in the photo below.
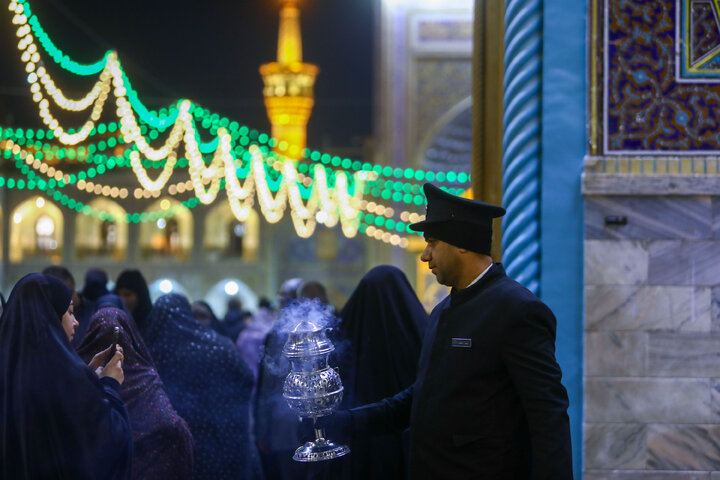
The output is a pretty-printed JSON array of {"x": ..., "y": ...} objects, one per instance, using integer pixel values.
[{"x": 312, "y": 389}]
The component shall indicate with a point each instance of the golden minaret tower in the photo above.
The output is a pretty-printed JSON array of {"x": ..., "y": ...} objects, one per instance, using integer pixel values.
[{"x": 289, "y": 84}]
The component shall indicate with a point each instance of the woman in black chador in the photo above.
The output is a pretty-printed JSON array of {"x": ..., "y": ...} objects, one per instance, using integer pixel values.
[
  {"x": 58, "y": 420},
  {"x": 133, "y": 289},
  {"x": 381, "y": 329},
  {"x": 209, "y": 385}
]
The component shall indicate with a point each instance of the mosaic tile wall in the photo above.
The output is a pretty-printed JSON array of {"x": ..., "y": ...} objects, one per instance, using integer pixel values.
[
  {"x": 440, "y": 85},
  {"x": 655, "y": 78}
]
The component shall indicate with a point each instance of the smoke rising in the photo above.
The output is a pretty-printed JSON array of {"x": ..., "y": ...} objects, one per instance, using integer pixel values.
[
  {"x": 312, "y": 310},
  {"x": 297, "y": 311}
]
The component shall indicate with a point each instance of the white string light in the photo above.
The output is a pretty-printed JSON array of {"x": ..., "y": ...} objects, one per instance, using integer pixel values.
[{"x": 324, "y": 205}]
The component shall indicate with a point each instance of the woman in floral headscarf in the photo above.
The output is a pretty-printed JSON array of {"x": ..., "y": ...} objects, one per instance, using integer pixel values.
[
  {"x": 163, "y": 443},
  {"x": 209, "y": 383}
]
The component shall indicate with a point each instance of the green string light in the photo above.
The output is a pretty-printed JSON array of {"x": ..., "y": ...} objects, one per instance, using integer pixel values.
[
  {"x": 167, "y": 117},
  {"x": 19, "y": 136},
  {"x": 152, "y": 124},
  {"x": 371, "y": 220},
  {"x": 55, "y": 53}
]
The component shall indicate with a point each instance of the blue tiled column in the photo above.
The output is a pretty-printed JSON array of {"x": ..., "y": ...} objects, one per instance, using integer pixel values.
[
  {"x": 521, "y": 141},
  {"x": 544, "y": 143}
]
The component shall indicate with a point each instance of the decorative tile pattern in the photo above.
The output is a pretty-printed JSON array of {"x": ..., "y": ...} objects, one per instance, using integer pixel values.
[
  {"x": 440, "y": 84},
  {"x": 451, "y": 146},
  {"x": 444, "y": 30},
  {"x": 699, "y": 37},
  {"x": 650, "y": 100}
]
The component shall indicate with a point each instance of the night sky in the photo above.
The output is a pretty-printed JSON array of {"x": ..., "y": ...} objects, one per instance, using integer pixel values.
[{"x": 208, "y": 51}]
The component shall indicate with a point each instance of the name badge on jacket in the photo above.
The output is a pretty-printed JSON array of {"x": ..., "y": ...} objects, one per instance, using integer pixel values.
[{"x": 461, "y": 342}]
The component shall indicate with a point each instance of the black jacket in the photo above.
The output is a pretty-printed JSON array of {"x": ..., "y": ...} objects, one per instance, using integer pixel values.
[{"x": 487, "y": 402}]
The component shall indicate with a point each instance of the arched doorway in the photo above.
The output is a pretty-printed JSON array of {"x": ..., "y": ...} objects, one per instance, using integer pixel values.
[
  {"x": 36, "y": 231},
  {"x": 102, "y": 237},
  {"x": 225, "y": 236},
  {"x": 167, "y": 232}
]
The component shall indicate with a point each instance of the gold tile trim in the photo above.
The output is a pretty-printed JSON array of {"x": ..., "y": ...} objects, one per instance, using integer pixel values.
[{"x": 648, "y": 165}]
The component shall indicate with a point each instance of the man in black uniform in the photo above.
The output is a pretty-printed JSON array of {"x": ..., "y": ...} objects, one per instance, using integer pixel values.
[{"x": 487, "y": 402}]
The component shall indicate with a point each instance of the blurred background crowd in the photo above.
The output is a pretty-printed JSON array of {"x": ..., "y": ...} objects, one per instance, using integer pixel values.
[{"x": 188, "y": 392}]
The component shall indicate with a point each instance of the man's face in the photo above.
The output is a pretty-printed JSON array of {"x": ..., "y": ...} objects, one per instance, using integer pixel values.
[{"x": 443, "y": 260}]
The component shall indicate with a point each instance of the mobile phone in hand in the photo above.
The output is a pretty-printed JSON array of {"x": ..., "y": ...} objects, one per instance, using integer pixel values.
[
  {"x": 115, "y": 340},
  {"x": 113, "y": 345}
]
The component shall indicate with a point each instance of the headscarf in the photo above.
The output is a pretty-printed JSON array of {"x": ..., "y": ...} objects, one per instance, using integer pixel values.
[
  {"x": 57, "y": 419},
  {"x": 251, "y": 338},
  {"x": 234, "y": 321},
  {"x": 381, "y": 327},
  {"x": 163, "y": 443},
  {"x": 203, "y": 313},
  {"x": 209, "y": 384},
  {"x": 134, "y": 281},
  {"x": 95, "y": 284},
  {"x": 384, "y": 322},
  {"x": 111, "y": 300},
  {"x": 82, "y": 308}
]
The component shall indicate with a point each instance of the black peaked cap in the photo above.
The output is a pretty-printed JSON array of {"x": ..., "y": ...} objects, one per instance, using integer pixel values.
[{"x": 458, "y": 221}]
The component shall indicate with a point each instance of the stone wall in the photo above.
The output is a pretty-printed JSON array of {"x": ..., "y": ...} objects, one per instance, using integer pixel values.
[{"x": 652, "y": 328}]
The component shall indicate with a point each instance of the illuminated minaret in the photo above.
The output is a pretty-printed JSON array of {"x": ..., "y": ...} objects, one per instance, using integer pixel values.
[{"x": 289, "y": 84}]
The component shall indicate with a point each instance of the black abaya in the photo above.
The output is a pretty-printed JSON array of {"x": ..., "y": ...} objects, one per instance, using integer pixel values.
[
  {"x": 58, "y": 420},
  {"x": 382, "y": 325}
]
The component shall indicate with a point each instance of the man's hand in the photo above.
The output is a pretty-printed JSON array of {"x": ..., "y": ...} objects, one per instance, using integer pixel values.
[
  {"x": 338, "y": 426},
  {"x": 114, "y": 367}
]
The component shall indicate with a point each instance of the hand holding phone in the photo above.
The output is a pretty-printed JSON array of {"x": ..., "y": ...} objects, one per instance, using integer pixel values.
[
  {"x": 103, "y": 357},
  {"x": 115, "y": 340}
]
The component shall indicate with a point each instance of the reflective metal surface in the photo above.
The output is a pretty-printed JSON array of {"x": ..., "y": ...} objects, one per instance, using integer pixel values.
[{"x": 312, "y": 389}]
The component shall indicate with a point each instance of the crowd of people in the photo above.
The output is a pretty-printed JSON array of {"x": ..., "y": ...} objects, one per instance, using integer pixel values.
[
  {"x": 100, "y": 384},
  {"x": 97, "y": 385}
]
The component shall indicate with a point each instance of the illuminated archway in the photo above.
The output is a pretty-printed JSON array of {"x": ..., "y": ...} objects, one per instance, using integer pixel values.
[
  {"x": 222, "y": 229},
  {"x": 169, "y": 234},
  {"x": 226, "y": 289},
  {"x": 107, "y": 236},
  {"x": 163, "y": 286},
  {"x": 36, "y": 230},
  {"x": 448, "y": 143}
]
